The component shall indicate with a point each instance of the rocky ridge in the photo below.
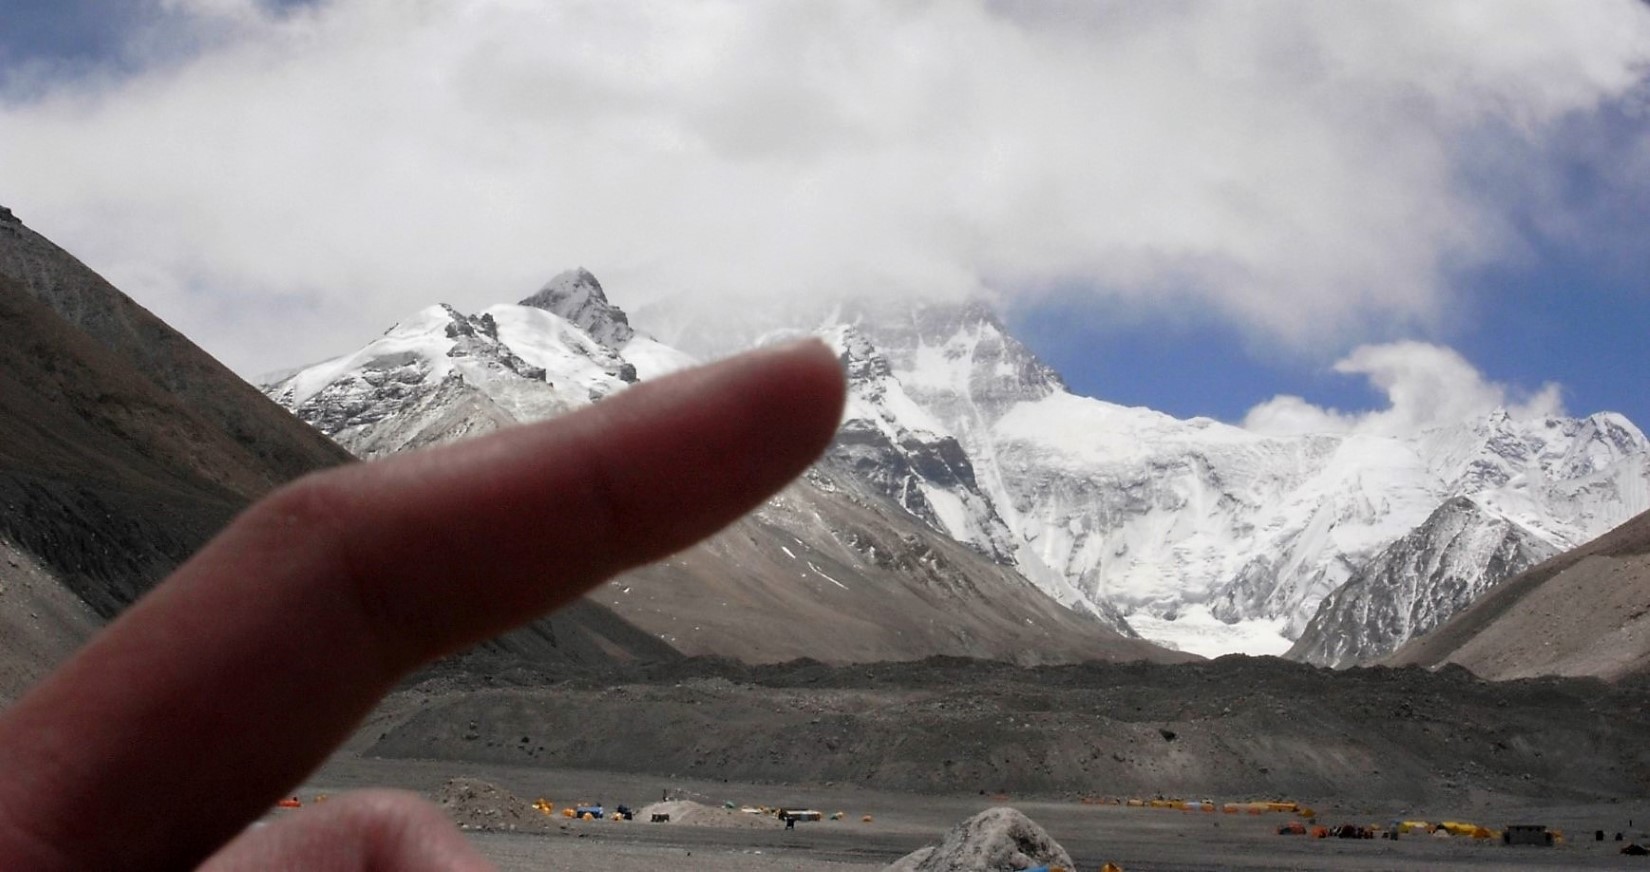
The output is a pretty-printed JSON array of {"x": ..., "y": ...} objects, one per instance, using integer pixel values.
[
  {"x": 1585, "y": 612},
  {"x": 578, "y": 297},
  {"x": 1417, "y": 583}
]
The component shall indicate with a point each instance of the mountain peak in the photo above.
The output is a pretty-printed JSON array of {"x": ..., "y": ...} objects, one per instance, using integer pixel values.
[
  {"x": 860, "y": 358},
  {"x": 577, "y": 296}
]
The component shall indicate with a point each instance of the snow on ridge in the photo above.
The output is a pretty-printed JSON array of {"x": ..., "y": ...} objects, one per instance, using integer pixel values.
[
  {"x": 653, "y": 358},
  {"x": 1114, "y": 508},
  {"x": 422, "y": 335},
  {"x": 1418, "y": 582},
  {"x": 892, "y": 443},
  {"x": 1129, "y": 508},
  {"x": 441, "y": 374},
  {"x": 562, "y": 349},
  {"x": 1089, "y": 432},
  {"x": 1262, "y": 527},
  {"x": 1106, "y": 508}
]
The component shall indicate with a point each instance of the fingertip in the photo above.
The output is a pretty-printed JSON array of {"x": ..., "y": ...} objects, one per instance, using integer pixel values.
[
  {"x": 373, "y": 829},
  {"x": 816, "y": 384}
]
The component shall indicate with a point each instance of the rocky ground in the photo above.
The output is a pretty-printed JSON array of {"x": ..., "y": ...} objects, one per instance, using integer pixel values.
[
  {"x": 899, "y": 822},
  {"x": 41, "y": 621},
  {"x": 905, "y": 751},
  {"x": 1234, "y": 728}
]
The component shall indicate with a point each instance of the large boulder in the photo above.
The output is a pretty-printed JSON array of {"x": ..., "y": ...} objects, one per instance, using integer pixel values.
[{"x": 995, "y": 840}]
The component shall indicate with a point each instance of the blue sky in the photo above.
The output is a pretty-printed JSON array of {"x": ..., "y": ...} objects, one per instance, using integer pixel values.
[
  {"x": 68, "y": 32},
  {"x": 1193, "y": 207},
  {"x": 1563, "y": 317}
]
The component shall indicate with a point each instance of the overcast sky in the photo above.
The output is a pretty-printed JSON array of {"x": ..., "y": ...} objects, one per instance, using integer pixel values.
[{"x": 1300, "y": 214}]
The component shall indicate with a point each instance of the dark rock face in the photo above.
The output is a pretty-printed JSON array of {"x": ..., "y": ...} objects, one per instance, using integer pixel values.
[
  {"x": 478, "y": 337},
  {"x": 894, "y": 471},
  {"x": 578, "y": 297},
  {"x": 106, "y": 543},
  {"x": 941, "y": 461},
  {"x": 904, "y": 461}
]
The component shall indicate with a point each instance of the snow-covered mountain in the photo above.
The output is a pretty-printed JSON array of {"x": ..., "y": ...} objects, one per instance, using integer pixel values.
[
  {"x": 1199, "y": 534},
  {"x": 893, "y": 443},
  {"x": 1205, "y": 535},
  {"x": 854, "y": 562},
  {"x": 442, "y": 375},
  {"x": 1580, "y": 613},
  {"x": 1419, "y": 582}
]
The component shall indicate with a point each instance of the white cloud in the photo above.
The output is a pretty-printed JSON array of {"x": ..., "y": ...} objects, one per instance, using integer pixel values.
[
  {"x": 1294, "y": 166},
  {"x": 1290, "y": 415},
  {"x": 1425, "y": 385}
]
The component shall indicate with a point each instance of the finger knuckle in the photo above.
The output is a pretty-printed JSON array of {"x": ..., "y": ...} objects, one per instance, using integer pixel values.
[
  {"x": 311, "y": 507},
  {"x": 323, "y": 515}
]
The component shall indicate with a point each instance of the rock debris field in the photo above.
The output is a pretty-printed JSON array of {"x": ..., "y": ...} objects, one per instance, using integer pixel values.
[
  {"x": 906, "y": 751},
  {"x": 1233, "y": 728}
]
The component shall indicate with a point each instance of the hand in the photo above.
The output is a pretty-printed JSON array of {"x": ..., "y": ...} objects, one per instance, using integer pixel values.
[{"x": 193, "y": 712}]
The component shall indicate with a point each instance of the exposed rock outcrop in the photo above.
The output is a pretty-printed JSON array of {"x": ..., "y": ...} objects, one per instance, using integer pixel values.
[{"x": 995, "y": 840}]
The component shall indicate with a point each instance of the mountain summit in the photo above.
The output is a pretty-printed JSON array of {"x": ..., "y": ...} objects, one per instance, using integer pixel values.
[
  {"x": 578, "y": 297},
  {"x": 1194, "y": 533},
  {"x": 1205, "y": 535},
  {"x": 856, "y": 562}
]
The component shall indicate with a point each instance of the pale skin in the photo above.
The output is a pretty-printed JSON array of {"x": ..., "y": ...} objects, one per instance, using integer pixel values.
[{"x": 186, "y": 718}]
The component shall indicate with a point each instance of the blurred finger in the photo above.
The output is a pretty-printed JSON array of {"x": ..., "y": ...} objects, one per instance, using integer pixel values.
[
  {"x": 229, "y": 683},
  {"x": 357, "y": 832}
]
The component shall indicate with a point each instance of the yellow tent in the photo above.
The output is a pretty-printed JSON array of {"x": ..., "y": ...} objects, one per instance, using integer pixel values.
[{"x": 1459, "y": 828}]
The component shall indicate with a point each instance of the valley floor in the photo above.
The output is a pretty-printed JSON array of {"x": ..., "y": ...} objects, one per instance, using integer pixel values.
[
  {"x": 919, "y": 747},
  {"x": 1134, "y": 838}
]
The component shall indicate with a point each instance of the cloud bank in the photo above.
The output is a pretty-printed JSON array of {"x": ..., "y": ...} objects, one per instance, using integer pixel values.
[
  {"x": 276, "y": 180},
  {"x": 1425, "y": 386}
]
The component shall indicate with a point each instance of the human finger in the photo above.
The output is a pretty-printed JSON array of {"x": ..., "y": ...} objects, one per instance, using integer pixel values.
[
  {"x": 231, "y": 681},
  {"x": 356, "y": 832}
]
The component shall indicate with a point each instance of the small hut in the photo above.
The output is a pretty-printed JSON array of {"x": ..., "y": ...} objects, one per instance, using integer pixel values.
[{"x": 1526, "y": 834}]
